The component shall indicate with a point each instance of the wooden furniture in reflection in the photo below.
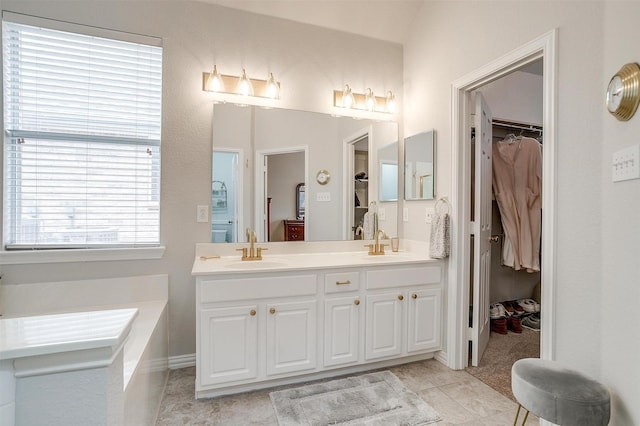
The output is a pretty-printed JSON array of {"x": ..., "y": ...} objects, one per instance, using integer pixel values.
[{"x": 293, "y": 230}]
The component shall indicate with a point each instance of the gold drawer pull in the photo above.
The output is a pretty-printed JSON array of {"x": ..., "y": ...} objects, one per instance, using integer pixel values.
[
  {"x": 272, "y": 310},
  {"x": 400, "y": 297},
  {"x": 414, "y": 296},
  {"x": 347, "y": 282},
  {"x": 356, "y": 302},
  {"x": 252, "y": 312}
]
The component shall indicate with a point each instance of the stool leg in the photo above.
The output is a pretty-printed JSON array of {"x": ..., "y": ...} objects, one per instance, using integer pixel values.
[
  {"x": 515, "y": 421},
  {"x": 525, "y": 418}
]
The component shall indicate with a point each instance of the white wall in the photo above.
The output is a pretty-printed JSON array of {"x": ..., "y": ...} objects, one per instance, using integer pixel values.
[
  {"x": 310, "y": 63},
  {"x": 598, "y": 238},
  {"x": 619, "y": 208},
  {"x": 515, "y": 97}
]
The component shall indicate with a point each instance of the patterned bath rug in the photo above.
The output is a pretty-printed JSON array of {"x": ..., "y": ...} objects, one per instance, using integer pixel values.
[{"x": 377, "y": 398}]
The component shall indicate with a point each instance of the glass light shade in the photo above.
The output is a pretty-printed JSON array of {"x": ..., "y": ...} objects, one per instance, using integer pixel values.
[
  {"x": 245, "y": 88},
  {"x": 390, "y": 102},
  {"x": 273, "y": 88},
  {"x": 348, "y": 101},
  {"x": 370, "y": 100},
  {"x": 214, "y": 82}
]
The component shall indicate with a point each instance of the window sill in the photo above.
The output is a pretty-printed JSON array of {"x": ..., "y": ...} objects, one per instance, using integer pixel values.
[{"x": 79, "y": 255}]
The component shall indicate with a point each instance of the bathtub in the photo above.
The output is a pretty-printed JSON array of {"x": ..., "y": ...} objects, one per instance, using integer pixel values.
[{"x": 139, "y": 370}]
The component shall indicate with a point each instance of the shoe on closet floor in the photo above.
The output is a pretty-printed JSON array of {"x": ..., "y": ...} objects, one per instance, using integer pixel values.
[
  {"x": 517, "y": 309},
  {"x": 532, "y": 322},
  {"x": 514, "y": 324},
  {"x": 499, "y": 325},
  {"x": 529, "y": 305},
  {"x": 497, "y": 310}
]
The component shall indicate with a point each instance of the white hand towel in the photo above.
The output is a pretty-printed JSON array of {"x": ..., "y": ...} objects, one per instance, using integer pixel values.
[{"x": 440, "y": 240}]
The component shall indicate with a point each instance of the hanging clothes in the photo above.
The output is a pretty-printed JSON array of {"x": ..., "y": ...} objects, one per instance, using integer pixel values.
[{"x": 517, "y": 186}]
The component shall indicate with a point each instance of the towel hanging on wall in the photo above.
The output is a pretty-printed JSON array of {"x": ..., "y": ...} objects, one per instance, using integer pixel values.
[{"x": 440, "y": 238}]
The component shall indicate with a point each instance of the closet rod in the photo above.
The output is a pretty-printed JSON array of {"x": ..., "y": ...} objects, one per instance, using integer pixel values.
[{"x": 514, "y": 125}]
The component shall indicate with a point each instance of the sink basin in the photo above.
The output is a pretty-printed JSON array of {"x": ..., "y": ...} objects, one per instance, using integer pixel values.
[
  {"x": 386, "y": 257},
  {"x": 254, "y": 264}
]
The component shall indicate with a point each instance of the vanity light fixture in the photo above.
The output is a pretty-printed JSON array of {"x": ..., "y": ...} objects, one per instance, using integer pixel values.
[
  {"x": 244, "y": 88},
  {"x": 390, "y": 102},
  {"x": 214, "y": 82},
  {"x": 241, "y": 90},
  {"x": 361, "y": 104},
  {"x": 370, "y": 100},
  {"x": 348, "y": 101}
]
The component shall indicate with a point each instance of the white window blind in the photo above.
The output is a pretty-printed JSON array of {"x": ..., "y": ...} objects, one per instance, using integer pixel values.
[{"x": 82, "y": 139}]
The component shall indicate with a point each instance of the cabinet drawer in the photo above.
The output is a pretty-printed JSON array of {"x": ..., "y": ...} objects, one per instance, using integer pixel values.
[
  {"x": 403, "y": 277},
  {"x": 340, "y": 282},
  {"x": 257, "y": 288}
]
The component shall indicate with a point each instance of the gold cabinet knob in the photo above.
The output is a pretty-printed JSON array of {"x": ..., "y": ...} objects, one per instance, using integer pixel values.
[
  {"x": 414, "y": 296},
  {"x": 400, "y": 297},
  {"x": 252, "y": 312},
  {"x": 272, "y": 310},
  {"x": 356, "y": 302}
]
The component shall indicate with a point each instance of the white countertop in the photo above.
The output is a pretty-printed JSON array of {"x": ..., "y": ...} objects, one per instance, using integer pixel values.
[
  {"x": 48, "y": 334},
  {"x": 276, "y": 262}
]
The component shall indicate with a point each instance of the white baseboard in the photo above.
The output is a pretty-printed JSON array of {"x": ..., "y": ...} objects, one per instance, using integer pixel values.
[{"x": 182, "y": 361}]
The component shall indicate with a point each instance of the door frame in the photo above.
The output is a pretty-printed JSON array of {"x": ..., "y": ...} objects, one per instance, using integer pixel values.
[
  {"x": 348, "y": 154},
  {"x": 543, "y": 47},
  {"x": 261, "y": 198},
  {"x": 239, "y": 202}
]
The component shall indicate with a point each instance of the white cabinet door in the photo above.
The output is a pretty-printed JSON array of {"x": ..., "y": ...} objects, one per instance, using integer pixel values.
[
  {"x": 423, "y": 319},
  {"x": 229, "y": 346},
  {"x": 291, "y": 337},
  {"x": 383, "y": 335},
  {"x": 341, "y": 330}
]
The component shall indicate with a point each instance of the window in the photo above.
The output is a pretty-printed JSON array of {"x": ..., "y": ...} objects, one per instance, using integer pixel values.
[{"x": 82, "y": 136}]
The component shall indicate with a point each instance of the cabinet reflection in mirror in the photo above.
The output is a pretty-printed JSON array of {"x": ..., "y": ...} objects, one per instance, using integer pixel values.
[
  {"x": 276, "y": 150},
  {"x": 419, "y": 166}
]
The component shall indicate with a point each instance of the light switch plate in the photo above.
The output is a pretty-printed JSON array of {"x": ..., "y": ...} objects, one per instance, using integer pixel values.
[
  {"x": 202, "y": 215},
  {"x": 323, "y": 196},
  {"x": 382, "y": 214},
  {"x": 625, "y": 164},
  {"x": 405, "y": 214}
]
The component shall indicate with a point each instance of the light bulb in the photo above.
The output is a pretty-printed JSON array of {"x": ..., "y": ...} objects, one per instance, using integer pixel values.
[
  {"x": 390, "y": 102},
  {"x": 370, "y": 100},
  {"x": 245, "y": 88},
  {"x": 348, "y": 101},
  {"x": 273, "y": 88},
  {"x": 214, "y": 82}
]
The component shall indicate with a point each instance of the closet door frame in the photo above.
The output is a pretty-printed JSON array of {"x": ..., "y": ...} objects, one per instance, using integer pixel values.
[{"x": 544, "y": 47}]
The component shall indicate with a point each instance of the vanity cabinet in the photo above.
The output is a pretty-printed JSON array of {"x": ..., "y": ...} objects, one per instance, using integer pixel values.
[{"x": 269, "y": 328}]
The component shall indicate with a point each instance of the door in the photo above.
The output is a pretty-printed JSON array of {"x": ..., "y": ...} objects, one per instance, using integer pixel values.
[
  {"x": 226, "y": 196},
  {"x": 291, "y": 337},
  {"x": 341, "y": 330},
  {"x": 383, "y": 335},
  {"x": 229, "y": 351},
  {"x": 423, "y": 319},
  {"x": 481, "y": 230}
]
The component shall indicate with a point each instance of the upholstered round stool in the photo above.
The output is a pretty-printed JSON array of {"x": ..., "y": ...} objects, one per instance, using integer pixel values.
[{"x": 558, "y": 394}]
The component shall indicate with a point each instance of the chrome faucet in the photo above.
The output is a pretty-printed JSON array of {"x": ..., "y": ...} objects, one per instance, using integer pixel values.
[
  {"x": 377, "y": 248},
  {"x": 254, "y": 253}
]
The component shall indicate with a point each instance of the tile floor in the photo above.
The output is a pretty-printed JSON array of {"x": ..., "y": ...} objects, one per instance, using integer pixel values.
[{"x": 459, "y": 398}]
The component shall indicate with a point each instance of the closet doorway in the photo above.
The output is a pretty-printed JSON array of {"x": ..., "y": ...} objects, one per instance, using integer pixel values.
[
  {"x": 459, "y": 332},
  {"x": 357, "y": 165}
]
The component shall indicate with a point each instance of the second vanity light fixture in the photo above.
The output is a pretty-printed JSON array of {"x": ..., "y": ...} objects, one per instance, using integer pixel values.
[
  {"x": 364, "y": 101},
  {"x": 241, "y": 89}
]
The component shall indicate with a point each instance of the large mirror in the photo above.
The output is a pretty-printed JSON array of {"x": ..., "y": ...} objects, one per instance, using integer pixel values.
[
  {"x": 419, "y": 170},
  {"x": 262, "y": 156}
]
